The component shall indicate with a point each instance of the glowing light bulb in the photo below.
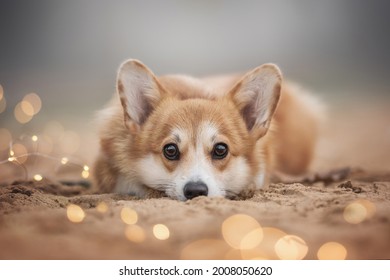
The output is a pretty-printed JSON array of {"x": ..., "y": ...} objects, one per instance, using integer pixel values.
[
  {"x": 38, "y": 177},
  {"x": 11, "y": 159},
  {"x": 34, "y": 138},
  {"x": 19, "y": 151},
  {"x": 85, "y": 174}
]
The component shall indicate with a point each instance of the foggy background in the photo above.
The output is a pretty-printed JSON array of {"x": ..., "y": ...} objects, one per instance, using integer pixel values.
[{"x": 68, "y": 52}]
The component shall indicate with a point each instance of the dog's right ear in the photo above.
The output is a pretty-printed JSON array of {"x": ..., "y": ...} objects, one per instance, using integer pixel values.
[
  {"x": 139, "y": 92},
  {"x": 256, "y": 95}
]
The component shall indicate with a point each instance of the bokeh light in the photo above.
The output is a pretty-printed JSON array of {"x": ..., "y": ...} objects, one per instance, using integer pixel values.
[
  {"x": 355, "y": 213},
  {"x": 64, "y": 160},
  {"x": 135, "y": 233},
  {"x": 332, "y": 251},
  {"x": 5, "y": 139},
  {"x": 20, "y": 152},
  {"x": 75, "y": 213},
  {"x": 205, "y": 249},
  {"x": 129, "y": 216},
  {"x": 34, "y": 138},
  {"x": 1, "y": 92},
  {"x": 161, "y": 232},
  {"x": 3, "y": 105},
  {"x": 20, "y": 115},
  {"x": 102, "y": 207},
  {"x": 370, "y": 207},
  {"x": 38, "y": 177},
  {"x": 358, "y": 211},
  {"x": 252, "y": 239},
  {"x": 27, "y": 108},
  {"x": 11, "y": 159},
  {"x": 85, "y": 174},
  {"x": 266, "y": 249},
  {"x": 33, "y": 100},
  {"x": 241, "y": 230},
  {"x": 291, "y": 247}
]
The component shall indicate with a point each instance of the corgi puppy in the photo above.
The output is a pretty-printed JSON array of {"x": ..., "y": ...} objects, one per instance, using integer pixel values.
[{"x": 216, "y": 136}]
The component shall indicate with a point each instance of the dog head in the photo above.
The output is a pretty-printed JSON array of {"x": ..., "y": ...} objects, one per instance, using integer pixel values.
[{"x": 189, "y": 147}]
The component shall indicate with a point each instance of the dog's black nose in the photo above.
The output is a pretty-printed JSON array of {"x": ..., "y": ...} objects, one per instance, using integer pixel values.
[{"x": 194, "y": 189}]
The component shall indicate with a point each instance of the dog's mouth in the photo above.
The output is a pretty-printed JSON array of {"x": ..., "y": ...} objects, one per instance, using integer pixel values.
[
  {"x": 192, "y": 190},
  {"x": 154, "y": 192}
]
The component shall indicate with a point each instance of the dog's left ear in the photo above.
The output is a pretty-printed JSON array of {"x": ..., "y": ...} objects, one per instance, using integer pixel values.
[
  {"x": 256, "y": 96},
  {"x": 139, "y": 92}
]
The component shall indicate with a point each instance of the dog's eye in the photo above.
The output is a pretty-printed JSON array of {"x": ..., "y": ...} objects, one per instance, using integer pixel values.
[
  {"x": 220, "y": 151},
  {"x": 171, "y": 152}
]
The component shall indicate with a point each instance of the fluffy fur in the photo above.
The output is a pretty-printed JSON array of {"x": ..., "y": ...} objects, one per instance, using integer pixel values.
[{"x": 265, "y": 124}]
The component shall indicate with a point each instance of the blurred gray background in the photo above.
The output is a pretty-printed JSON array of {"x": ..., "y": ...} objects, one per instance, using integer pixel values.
[{"x": 68, "y": 51}]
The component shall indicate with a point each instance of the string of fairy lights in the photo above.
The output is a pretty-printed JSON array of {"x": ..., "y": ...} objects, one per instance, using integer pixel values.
[{"x": 18, "y": 152}]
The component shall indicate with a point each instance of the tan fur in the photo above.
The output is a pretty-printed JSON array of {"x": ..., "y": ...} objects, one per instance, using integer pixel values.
[
  {"x": 297, "y": 118},
  {"x": 283, "y": 142}
]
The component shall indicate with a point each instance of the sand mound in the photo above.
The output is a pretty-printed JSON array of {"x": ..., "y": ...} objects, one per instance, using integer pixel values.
[{"x": 34, "y": 222}]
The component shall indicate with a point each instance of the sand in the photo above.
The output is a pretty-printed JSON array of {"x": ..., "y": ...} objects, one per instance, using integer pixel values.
[{"x": 345, "y": 198}]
